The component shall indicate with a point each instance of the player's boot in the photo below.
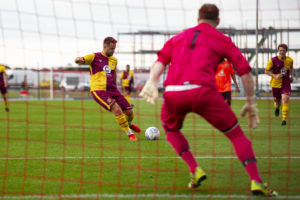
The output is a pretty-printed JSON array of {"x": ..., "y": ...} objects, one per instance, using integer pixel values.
[
  {"x": 276, "y": 112},
  {"x": 283, "y": 123},
  {"x": 135, "y": 128},
  {"x": 132, "y": 137},
  {"x": 197, "y": 178},
  {"x": 261, "y": 189}
]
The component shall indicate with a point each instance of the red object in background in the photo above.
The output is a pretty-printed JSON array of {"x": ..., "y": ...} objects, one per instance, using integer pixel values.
[{"x": 24, "y": 93}]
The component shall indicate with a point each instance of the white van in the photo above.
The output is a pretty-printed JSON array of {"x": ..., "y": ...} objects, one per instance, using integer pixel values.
[{"x": 69, "y": 83}]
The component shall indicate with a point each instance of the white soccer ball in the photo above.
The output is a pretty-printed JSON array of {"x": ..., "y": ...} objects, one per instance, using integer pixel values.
[{"x": 152, "y": 133}]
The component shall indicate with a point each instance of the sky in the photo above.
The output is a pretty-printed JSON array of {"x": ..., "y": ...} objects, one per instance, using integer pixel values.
[{"x": 51, "y": 33}]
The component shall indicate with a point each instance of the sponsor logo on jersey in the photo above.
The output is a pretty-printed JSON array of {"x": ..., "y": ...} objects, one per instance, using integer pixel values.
[
  {"x": 221, "y": 73},
  {"x": 107, "y": 69},
  {"x": 283, "y": 71}
]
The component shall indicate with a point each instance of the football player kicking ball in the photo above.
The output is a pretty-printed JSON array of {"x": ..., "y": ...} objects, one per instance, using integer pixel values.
[
  {"x": 193, "y": 57},
  {"x": 103, "y": 86}
]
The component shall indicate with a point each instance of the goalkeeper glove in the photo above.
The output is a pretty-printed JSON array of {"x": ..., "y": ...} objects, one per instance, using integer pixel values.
[
  {"x": 251, "y": 107},
  {"x": 149, "y": 92}
]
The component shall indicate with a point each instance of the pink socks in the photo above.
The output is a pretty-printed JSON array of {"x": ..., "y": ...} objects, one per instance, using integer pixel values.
[
  {"x": 244, "y": 151},
  {"x": 181, "y": 146}
]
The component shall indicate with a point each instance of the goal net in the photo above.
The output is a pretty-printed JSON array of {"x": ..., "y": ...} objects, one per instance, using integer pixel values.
[{"x": 58, "y": 143}]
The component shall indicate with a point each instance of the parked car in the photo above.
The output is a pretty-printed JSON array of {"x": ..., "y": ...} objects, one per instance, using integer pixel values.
[
  {"x": 139, "y": 86},
  {"x": 69, "y": 83},
  {"x": 295, "y": 87},
  {"x": 84, "y": 86}
]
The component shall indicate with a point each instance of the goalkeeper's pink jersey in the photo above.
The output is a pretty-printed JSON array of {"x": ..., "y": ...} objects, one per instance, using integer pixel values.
[{"x": 194, "y": 55}]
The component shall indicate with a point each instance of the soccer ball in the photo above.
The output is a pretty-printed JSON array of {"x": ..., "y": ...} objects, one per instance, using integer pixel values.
[{"x": 152, "y": 133}]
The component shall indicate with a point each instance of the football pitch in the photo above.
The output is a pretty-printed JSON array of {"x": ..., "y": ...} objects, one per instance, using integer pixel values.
[{"x": 73, "y": 149}]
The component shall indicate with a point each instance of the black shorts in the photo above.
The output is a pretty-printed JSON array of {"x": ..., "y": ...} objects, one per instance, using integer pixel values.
[{"x": 227, "y": 96}]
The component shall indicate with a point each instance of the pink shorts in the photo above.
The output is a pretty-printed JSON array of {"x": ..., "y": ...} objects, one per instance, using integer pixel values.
[
  {"x": 108, "y": 98},
  {"x": 205, "y": 101},
  {"x": 227, "y": 96}
]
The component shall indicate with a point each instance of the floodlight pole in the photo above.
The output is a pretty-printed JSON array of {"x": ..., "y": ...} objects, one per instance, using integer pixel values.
[{"x": 256, "y": 51}]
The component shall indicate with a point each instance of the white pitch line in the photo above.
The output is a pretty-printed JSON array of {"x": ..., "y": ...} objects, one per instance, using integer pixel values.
[
  {"x": 17, "y": 130},
  {"x": 142, "y": 157},
  {"x": 143, "y": 196},
  {"x": 197, "y": 125}
]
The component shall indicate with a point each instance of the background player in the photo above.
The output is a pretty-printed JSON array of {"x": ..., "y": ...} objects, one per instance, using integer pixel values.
[
  {"x": 127, "y": 82},
  {"x": 103, "y": 85},
  {"x": 4, "y": 86},
  {"x": 193, "y": 56},
  {"x": 280, "y": 68},
  {"x": 223, "y": 76}
]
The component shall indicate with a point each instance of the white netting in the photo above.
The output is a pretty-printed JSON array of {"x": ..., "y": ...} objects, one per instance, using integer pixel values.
[{"x": 52, "y": 32}]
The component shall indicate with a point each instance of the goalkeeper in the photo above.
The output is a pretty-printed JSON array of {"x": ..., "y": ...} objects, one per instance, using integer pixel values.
[{"x": 193, "y": 57}]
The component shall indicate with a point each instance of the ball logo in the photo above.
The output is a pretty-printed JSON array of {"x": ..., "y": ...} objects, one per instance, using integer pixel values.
[{"x": 107, "y": 69}]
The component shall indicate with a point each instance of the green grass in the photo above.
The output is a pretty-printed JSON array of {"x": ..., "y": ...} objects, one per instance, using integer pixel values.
[{"x": 74, "y": 149}]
